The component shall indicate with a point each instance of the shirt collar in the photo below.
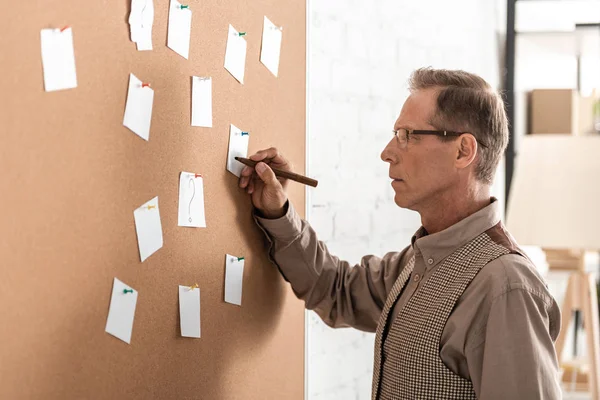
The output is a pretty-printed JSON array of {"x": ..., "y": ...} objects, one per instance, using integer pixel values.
[{"x": 436, "y": 247}]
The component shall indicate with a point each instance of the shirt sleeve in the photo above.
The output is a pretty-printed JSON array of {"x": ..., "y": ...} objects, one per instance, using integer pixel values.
[
  {"x": 341, "y": 294},
  {"x": 517, "y": 359}
]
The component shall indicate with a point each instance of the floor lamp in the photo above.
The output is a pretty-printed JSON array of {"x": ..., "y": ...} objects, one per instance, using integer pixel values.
[{"x": 554, "y": 203}]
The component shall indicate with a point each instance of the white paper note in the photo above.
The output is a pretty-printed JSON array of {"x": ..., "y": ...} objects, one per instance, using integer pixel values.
[
  {"x": 202, "y": 101},
  {"x": 148, "y": 228},
  {"x": 141, "y": 19},
  {"x": 58, "y": 59},
  {"x": 189, "y": 311},
  {"x": 191, "y": 200},
  {"x": 121, "y": 311},
  {"x": 138, "y": 110},
  {"x": 180, "y": 26},
  {"x": 238, "y": 147},
  {"x": 235, "y": 54},
  {"x": 234, "y": 276},
  {"x": 271, "y": 46}
]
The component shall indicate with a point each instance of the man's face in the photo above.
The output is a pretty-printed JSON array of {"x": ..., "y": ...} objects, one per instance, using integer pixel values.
[{"x": 424, "y": 170}]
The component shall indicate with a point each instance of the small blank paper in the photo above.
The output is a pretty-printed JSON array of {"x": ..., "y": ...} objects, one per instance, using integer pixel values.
[
  {"x": 202, "y": 101},
  {"x": 235, "y": 54},
  {"x": 271, "y": 46},
  {"x": 191, "y": 200},
  {"x": 189, "y": 311},
  {"x": 148, "y": 228},
  {"x": 122, "y": 311},
  {"x": 138, "y": 110},
  {"x": 141, "y": 19},
  {"x": 238, "y": 147},
  {"x": 234, "y": 276},
  {"x": 58, "y": 59},
  {"x": 180, "y": 27}
]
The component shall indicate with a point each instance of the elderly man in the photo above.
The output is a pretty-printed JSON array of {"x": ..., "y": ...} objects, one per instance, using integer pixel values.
[{"x": 461, "y": 313}]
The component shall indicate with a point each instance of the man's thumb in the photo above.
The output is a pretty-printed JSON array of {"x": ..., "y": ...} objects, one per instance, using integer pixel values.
[{"x": 265, "y": 173}]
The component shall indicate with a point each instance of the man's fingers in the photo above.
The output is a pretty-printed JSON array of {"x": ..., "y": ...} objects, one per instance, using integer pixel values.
[
  {"x": 270, "y": 155},
  {"x": 244, "y": 181},
  {"x": 266, "y": 174},
  {"x": 247, "y": 171}
]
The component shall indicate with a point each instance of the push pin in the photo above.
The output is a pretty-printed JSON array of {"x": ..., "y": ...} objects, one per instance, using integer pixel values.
[
  {"x": 145, "y": 85},
  {"x": 240, "y": 258},
  {"x": 183, "y": 7},
  {"x": 64, "y": 28},
  {"x": 245, "y": 133},
  {"x": 125, "y": 291},
  {"x": 194, "y": 287},
  {"x": 198, "y": 175},
  {"x": 150, "y": 207},
  {"x": 242, "y": 34}
]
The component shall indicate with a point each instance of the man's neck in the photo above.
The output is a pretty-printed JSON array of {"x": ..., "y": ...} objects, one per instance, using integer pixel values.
[{"x": 451, "y": 209}]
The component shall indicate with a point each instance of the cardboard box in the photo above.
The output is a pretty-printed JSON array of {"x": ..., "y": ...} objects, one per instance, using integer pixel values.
[
  {"x": 561, "y": 111},
  {"x": 554, "y": 111}
]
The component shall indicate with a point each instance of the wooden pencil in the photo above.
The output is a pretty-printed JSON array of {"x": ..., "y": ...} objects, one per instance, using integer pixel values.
[{"x": 281, "y": 173}]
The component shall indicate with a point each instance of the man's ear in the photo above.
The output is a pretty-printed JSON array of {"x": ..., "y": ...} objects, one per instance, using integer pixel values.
[{"x": 467, "y": 150}]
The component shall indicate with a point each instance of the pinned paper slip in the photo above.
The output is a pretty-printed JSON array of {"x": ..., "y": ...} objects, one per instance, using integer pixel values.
[
  {"x": 235, "y": 54},
  {"x": 138, "y": 109},
  {"x": 141, "y": 19},
  {"x": 189, "y": 311},
  {"x": 202, "y": 101},
  {"x": 58, "y": 59},
  {"x": 234, "y": 277},
  {"x": 180, "y": 27},
  {"x": 238, "y": 147},
  {"x": 271, "y": 46},
  {"x": 191, "y": 200},
  {"x": 121, "y": 311},
  {"x": 148, "y": 228}
]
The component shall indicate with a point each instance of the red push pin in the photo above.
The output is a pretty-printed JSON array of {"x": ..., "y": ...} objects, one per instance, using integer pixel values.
[
  {"x": 198, "y": 175},
  {"x": 64, "y": 28},
  {"x": 145, "y": 85}
]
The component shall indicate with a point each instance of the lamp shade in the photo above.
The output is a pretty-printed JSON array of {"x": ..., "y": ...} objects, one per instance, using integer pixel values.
[{"x": 555, "y": 193}]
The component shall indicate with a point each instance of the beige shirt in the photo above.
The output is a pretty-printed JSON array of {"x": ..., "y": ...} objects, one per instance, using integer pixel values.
[{"x": 501, "y": 333}]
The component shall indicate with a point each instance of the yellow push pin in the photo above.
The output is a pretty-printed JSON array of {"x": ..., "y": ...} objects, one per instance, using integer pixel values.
[{"x": 194, "y": 287}]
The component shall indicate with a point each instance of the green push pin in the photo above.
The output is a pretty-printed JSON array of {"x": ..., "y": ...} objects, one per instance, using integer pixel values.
[
  {"x": 125, "y": 291},
  {"x": 183, "y": 7},
  {"x": 240, "y": 258},
  {"x": 242, "y": 34}
]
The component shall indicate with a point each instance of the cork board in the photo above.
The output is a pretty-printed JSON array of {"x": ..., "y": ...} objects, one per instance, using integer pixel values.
[{"x": 72, "y": 175}]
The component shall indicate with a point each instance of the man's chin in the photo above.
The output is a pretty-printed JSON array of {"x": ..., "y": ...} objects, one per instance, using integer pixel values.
[{"x": 402, "y": 201}]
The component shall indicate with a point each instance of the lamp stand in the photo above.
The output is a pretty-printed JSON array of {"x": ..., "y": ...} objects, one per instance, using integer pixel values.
[{"x": 581, "y": 295}]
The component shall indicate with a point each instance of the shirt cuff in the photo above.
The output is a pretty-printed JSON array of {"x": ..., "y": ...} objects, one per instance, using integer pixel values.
[{"x": 285, "y": 228}]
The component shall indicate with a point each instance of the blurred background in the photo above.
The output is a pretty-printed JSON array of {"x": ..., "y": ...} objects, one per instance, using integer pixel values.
[{"x": 545, "y": 57}]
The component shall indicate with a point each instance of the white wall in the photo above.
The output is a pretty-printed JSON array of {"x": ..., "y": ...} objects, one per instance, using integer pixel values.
[{"x": 361, "y": 54}]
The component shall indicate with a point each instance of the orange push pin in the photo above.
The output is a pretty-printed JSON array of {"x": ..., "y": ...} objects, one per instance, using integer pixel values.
[
  {"x": 194, "y": 287},
  {"x": 64, "y": 28},
  {"x": 145, "y": 85}
]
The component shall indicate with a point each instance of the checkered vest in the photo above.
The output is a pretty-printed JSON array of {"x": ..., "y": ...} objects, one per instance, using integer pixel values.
[{"x": 413, "y": 369}]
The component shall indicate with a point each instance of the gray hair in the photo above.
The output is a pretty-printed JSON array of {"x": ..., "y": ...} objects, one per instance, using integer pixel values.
[{"x": 467, "y": 103}]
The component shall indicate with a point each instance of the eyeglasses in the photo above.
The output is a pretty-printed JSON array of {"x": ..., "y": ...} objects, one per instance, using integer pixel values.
[{"x": 403, "y": 135}]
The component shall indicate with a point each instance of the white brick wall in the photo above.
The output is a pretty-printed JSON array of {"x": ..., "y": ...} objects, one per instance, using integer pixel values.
[{"x": 361, "y": 54}]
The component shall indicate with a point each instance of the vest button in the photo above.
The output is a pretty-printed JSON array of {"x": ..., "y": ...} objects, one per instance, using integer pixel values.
[{"x": 430, "y": 261}]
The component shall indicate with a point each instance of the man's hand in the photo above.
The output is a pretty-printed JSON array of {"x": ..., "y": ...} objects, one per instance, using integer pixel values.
[{"x": 267, "y": 190}]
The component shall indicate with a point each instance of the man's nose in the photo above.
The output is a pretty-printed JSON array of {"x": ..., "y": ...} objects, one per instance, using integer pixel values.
[{"x": 387, "y": 155}]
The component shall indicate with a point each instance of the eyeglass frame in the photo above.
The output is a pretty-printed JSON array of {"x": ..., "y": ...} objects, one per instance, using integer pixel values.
[{"x": 430, "y": 132}]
